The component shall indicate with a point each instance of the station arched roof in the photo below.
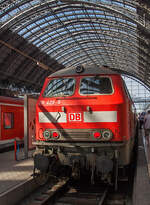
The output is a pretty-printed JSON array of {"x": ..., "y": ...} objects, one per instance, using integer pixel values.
[{"x": 63, "y": 33}]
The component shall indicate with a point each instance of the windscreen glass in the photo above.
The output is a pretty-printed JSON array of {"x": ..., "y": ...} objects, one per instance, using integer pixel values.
[
  {"x": 95, "y": 85},
  {"x": 60, "y": 87}
]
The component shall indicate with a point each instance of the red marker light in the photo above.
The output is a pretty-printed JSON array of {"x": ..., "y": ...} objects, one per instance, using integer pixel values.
[
  {"x": 55, "y": 135},
  {"x": 97, "y": 135}
]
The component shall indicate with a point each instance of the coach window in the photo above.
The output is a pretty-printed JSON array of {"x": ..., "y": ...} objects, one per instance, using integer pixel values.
[
  {"x": 60, "y": 87},
  {"x": 8, "y": 120},
  {"x": 96, "y": 86}
]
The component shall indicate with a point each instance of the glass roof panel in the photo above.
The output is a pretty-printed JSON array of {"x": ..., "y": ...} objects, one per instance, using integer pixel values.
[{"x": 113, "y": 27}]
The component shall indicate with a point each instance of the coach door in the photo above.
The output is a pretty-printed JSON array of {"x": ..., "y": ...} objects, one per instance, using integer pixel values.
[{"x": 7, "y": 122}]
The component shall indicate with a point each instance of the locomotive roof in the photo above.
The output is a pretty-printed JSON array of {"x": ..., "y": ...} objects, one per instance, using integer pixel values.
[
  {"x": 88, "y": 69},
  {"x": 11, "y": 100}
]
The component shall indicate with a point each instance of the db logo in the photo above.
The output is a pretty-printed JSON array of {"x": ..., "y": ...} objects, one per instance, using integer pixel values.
[{"x": 74, "y": 116}]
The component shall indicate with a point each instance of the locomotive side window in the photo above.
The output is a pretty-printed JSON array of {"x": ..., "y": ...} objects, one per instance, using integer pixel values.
[
  {"x": 126, "y": 90},
  {"x": 60, "y": 87},
  {"x": 95, "y": 85},
  {"x": 8, "y": 120}
]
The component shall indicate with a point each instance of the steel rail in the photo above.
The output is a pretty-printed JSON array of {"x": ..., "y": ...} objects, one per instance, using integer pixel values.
[
  {"x": 92, "y": 197},
  {"x": 103, "y": 196},
  {"x": 49, "y": 193}
]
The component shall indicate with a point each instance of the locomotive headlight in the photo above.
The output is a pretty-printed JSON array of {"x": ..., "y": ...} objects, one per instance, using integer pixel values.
[
  {"x": 107, "y": 135},
  {"x": 46, "y": 134}
]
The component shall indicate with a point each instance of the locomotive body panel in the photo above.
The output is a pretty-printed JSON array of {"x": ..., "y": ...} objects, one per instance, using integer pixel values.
[{"x": 86, "y": 111}]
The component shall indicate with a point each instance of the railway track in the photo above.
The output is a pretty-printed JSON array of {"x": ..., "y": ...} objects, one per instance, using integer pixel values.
[
  {"x": 45, "y": 193},
  {"x": 92, "y": 195},
  {"x": 81, "y": 197},
  {"x": 66, "y": 192}
]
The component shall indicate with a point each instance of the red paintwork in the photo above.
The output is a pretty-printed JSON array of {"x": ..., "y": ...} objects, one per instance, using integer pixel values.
[
  {"x": 118, "y": 101},
  {"x": 15, "y": 106}
]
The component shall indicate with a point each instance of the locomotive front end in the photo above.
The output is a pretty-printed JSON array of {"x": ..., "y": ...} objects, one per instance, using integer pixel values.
[{"x": 79, "y": 123}]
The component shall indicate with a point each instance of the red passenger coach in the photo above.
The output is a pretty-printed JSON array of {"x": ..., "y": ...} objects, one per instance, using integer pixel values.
[
  {"x": 11, "y": 120},
  {"x": 85, "y": 118}
]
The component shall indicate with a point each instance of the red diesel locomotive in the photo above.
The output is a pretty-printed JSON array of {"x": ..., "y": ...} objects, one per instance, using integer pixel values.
[{"x": 85, "y": 119}]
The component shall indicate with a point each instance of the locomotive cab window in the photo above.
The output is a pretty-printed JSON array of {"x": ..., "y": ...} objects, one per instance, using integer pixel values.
[
  {"x": 60, "y": 87},
  {"x": 96, "y": 85},
  {"x": 8, "y": 120}
]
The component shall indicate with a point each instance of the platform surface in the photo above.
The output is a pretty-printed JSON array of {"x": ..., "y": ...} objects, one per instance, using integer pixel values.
[
  {"x": 13, "y": 173},
  {"x": 147, "y": 151},
  {"x": 141, "y": 192}
]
